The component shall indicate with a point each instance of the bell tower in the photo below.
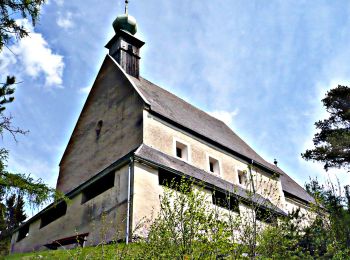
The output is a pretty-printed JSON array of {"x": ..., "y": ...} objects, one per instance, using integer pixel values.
[{"x": 124, "y": 47}]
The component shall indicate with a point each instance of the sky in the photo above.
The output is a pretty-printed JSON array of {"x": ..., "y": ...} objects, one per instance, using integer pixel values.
[{"x": 260, "y": 66}]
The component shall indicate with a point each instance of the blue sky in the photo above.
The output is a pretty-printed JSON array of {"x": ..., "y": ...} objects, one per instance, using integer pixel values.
[{"x": 261, "y": 66}]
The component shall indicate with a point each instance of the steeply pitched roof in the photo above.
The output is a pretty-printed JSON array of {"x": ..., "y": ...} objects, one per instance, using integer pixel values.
[
  {"x": 156, "y": 157},
  {"x": 180, "y": 112},
  {"x": 294, "y": 189}
]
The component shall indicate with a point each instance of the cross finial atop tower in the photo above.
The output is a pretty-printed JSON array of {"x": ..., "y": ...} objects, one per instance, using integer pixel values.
[{"x": 126, "y": 6}]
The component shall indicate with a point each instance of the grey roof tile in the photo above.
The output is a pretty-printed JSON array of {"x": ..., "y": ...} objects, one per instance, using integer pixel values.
[
  {"x": 290, "y": 186},
  {"x": 179, "y": 111},
  {"x": 154, "y": 156}
]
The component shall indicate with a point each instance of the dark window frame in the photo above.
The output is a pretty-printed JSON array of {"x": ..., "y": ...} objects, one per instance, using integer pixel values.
[
  {"x": 172, "y": 180},
  {"x": 225, "y": 201},
  {"x": 265, "y": 215},
  {"x": 54, "y": 213},
  {"x": 23, "y": 232},
  {"x": 98, "y": 187}
]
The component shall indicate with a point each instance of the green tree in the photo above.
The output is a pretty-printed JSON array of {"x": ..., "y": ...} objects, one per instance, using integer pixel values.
[
  {"x": 35, "y": 191},
  {"x": 328, "y": 237},
  {"x": 16, "y": 188},
  {"x": 332, "y": 142},
  {"x": 15, "y": 214},
  {"x": 187, "y": 226},
  {"x": 11, "y": 10}
]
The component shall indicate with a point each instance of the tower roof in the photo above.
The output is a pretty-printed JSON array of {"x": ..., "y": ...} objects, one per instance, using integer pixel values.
[{"x": 125, "y": 22}]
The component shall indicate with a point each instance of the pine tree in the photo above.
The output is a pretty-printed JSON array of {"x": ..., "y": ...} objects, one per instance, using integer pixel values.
[
  {"x": 10, "y": 211},
  {"x": 332, "y": 142},
  {"x": 10, "y": 11},
  {"x": 20, "y": 215}
]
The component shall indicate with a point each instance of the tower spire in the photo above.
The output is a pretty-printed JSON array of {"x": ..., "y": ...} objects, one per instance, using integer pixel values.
[
  {"x": 124, "y": 47},
  {"x": 126, "y": 6}
]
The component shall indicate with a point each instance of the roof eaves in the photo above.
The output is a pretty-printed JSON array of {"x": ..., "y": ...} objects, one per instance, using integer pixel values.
[
  {"x": 114, "y": 166},
  {"x": 256, "y": 199}
]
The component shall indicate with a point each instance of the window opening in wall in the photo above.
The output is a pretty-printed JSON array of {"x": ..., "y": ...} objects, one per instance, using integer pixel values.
[
  {"x": 211, "y": 166},
  {"x": 53, "y": 213},
  {"x": 173, "y": 181},
  {"x": 265, "y": 215},
  {"x": 242, "y": 178},
  {"x": 226, "y": 201},
  {"x": 23, "y": 232},
  {"x": 214, "y": 165},
  {"x": 98, "y": 187},
  {"x": 181, "y": 151},
  {"x": 178, "y": 152},
  {"x": 98, "y": 129}
]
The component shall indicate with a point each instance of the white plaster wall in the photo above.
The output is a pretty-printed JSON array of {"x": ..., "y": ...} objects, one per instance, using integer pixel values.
[
  {"x": 308, "y": 215},
  {"x": 103, "y": 217},
  {"x": 161, "y": 135},
  {"x": 146, "y": 202}
]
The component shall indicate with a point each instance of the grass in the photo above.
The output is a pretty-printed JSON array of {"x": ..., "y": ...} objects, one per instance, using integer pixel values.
[{"x": 120, "y": 251}]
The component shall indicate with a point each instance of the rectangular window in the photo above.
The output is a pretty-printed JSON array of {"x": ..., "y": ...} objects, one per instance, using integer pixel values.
[
  {"x": 178, "y": 152},
  {"x": 181, "y": 151},
  {"x": 53, "y": 213},
  {"x": 173, "y": 181},
  {"x": 211, "y": 166},
  {"x": 242, "y": 178},
  {"x": 226, "y": 201},
  {"x": 265, "y": 215},
  {"x": 23, "y": 232},
  {"x": 98, "y": 187},
  {"x": 214, "y": 166}
]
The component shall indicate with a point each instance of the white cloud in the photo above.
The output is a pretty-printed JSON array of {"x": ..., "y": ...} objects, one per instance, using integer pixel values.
[
  {"x": 85, "y": 90},
  {"x": 225, "y": 116},
  {"x": 65, "y": 21},
  {"x": 38, "y": 169},
  {"x": 33, "y": 57}
]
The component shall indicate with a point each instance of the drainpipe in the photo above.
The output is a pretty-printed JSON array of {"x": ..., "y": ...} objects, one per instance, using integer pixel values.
[
  {"x": 129, "y": 195},
  {"x": 251, "y": 177}
]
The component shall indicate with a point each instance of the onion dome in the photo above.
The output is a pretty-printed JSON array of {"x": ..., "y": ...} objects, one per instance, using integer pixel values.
[{"x": 125, "y": 22}]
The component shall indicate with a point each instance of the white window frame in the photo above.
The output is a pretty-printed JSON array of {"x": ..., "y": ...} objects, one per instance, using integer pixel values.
[
  {"x": 209, "y": 156},
  {"x": 246, "y": 177},
  {"x": 242, "y": 169},
  {"x": 188, "y": 146}
]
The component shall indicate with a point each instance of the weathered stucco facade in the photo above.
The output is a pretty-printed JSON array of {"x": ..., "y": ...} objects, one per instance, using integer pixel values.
[
  {"x": 129, "y": 134},
  {"x": 109, "y": 127},
  {"x": 104, "y": 212}
]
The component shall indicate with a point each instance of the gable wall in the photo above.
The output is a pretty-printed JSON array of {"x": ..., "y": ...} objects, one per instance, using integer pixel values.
[{"x": 114, "y": 101}]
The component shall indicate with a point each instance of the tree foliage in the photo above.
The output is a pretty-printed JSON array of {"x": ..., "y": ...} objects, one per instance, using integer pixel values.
[
  {"x": 10, "y": 10},
  {"x": 332, "y": 142},
  {"x": 34, "y": 191},
  {"x": 15, "y": 188}
]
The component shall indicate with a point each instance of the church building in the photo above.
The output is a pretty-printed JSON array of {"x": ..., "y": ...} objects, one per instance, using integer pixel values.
[{"x": 130, "y": 138}]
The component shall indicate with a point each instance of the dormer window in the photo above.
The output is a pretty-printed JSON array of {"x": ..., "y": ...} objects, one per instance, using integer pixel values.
[
  {"x": 181, "y": 150},
  {"x": 242, "y": 177},
  {"x": 214, "y": 165}
]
